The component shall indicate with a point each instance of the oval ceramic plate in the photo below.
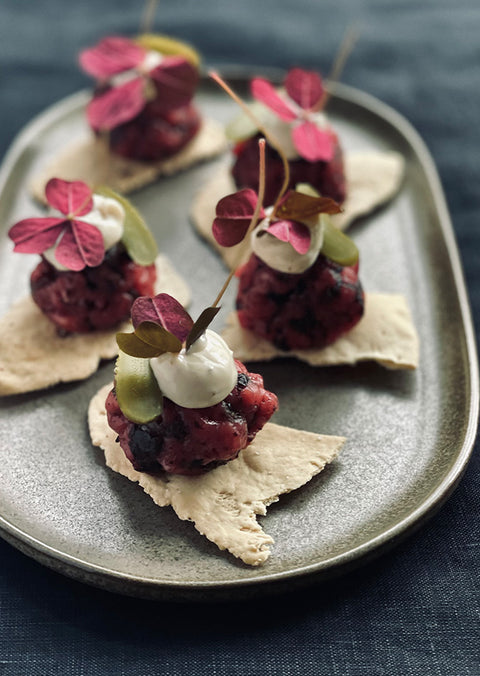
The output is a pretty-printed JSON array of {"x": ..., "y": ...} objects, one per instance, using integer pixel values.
[{"x": 409, "y": 434}]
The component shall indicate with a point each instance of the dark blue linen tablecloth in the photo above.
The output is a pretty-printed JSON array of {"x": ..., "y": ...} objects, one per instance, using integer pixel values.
[{"x": 414, "y": 611}]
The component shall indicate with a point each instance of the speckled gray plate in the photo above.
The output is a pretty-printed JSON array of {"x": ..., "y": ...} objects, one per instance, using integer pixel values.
[{"x": 409, "y": 434}]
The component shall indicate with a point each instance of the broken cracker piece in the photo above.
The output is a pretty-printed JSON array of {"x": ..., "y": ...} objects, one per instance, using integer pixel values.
[
  {"x": 91, "y": 162},
  {"x": 33, "y": 356},
  {"x": 224, "y": 503},
  {"x": 372, "y": 178},
  {"x": 385, "y": 334}
]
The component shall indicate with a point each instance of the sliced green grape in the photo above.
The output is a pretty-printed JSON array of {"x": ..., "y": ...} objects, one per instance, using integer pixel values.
[
  {"x": 337, "y": 246},
  {"x": 138, "y": 394},
  {"x": 169, "y": 46},
  {"x": 137, "y": 238}
]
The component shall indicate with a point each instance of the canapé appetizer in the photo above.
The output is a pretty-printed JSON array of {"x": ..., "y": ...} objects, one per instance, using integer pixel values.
[
  {"x": 181, "y": 403},
  {"x": 142, "y": 115},
  {"x": 299, "y": 288},
  {"x": 193, "y": 426},
  {"x": 299, "y": 293},
  {"x": 97, "y": 256},
  {"x": 144, "y": 95}
]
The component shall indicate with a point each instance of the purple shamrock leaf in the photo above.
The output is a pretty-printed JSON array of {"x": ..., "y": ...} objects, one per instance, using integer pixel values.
[{"x": 234, "y": 215}]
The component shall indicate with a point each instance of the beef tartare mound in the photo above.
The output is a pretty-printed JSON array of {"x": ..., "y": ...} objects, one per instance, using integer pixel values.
[
  {"x": 153, "y": 135},
  {"x": 93, "y": 298},
  {"x": 303, "y": 311},
  {"x": 327, "y": 178},
  {"x": 194, "y": 440}
]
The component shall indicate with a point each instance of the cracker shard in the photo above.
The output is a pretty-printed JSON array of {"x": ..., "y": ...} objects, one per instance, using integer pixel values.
[
  {"x": 385, "y": 334},
  {"x": 372, "y": 178},
  {"x": 224, "y": 503},
  {"x": 33, "y": 356},
  {"x": 90, "y": 161}
]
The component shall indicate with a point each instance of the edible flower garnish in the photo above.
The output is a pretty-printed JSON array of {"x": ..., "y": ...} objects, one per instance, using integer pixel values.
[
  {"x": 233, "y": 216},
  {"x": 79, "y": 244},
  {"x": 161, "y": 325},
  {"x": 132, "y": 81},
  {"x": 288, "y": 221},
  {"x": 298, "y": 104},
  {"x": 291, "y": 216}
]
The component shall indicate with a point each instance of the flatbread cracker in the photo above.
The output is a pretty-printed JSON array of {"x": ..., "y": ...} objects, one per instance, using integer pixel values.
[
  {"x": 224, "y": 503},
  {"x": 372, "y": 179},
  {"x": 90, "y": 161},
  {"x": 385, "y": 334},
  {"x": 33, "y": 356}
]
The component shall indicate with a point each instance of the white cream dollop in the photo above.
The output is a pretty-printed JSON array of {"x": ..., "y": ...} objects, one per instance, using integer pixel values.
[
  {"x": 199, "y": 377},
  {"x": 152, "y": 60},
  {"x": 107, "y": 215},
  {"x": 282, "y": 256}
]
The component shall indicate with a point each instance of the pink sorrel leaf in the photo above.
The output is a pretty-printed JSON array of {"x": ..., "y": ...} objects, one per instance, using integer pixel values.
[
  {"x": 304, "y": 87},
  {"x": 111, "y": 55},
  {"x": 67, "y": 252},
  {"x": 80, "y": 245},
  {"x": 90, "y": 242},
  {"x": 297, "y": 234},
  {"x": 69, "y": 197},
  {"x": 36, "y": 235},
  {"x": 117, "y": 105},
  {"x": 162, "y": 309},
  {"x": 264, "y": 91},
  {"x": 312, "y": 143},
  {"x": 234, "y": 215},
  {"x": 175, "y": 79}
]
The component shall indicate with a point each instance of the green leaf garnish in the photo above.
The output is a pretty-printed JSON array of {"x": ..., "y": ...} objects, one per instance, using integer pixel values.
[
  {"x": 298, "y": 206},
  {"x": 148, "y": 340},
  {"x": 138, "y": 394},
  {"x": 307, "y": 189},
  {"x": 337, "y": 246},
  {"x": 158, "y": 336},
  {"x": 134, "y": 347},
  {"x": 201, "y": 324},
  {"x": 169, "y": 46},
  {"x": 137, "y": 238}
]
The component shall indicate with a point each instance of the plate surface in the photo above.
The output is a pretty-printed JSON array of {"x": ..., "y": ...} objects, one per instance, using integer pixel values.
[{"x": 409, "y": 434}]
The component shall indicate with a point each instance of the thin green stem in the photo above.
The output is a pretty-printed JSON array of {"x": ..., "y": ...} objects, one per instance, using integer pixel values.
[
  {"x": 148, "y": 15},
  {"x": 344, "y": 51}
]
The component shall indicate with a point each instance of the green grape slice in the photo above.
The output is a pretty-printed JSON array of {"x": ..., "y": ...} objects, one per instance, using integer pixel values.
[
  {"x": 337, "y": 246},
  {"x": 169, "y": 46},
  {"x": 137, "y": 390},
  {"x": 137, "y": 238}
]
